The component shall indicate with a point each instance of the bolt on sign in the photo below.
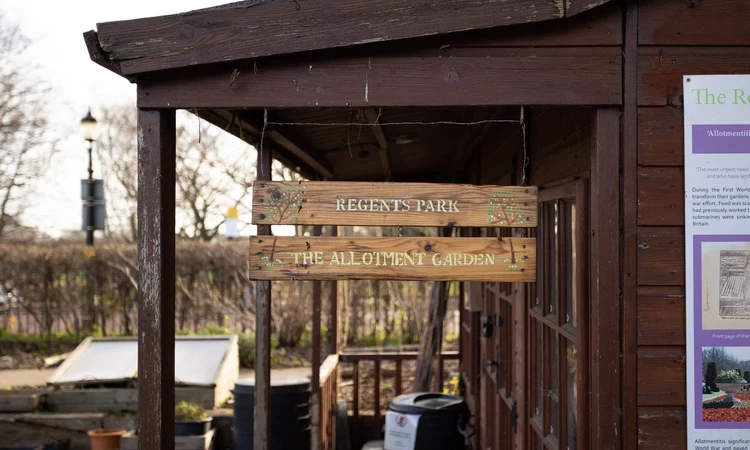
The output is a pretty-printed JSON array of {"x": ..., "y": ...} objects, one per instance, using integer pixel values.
[{"x": 393, "y": 258}]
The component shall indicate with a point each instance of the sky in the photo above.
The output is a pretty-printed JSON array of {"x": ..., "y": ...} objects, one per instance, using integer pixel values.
[{"x": 56, "y": 30}]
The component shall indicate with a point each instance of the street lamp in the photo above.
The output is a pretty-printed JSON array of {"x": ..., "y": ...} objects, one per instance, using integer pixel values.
[{"x": 90, "y": 133}]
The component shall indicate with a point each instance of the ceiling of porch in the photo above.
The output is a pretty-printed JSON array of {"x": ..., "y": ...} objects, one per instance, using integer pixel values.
[{"x": 371, "y": 144}]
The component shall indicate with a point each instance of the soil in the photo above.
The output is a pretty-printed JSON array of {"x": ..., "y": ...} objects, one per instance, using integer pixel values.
[{"x": 22, "y": 434}]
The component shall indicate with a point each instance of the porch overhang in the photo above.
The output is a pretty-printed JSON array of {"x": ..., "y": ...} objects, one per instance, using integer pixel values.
[{"x": 260, "y": 28}]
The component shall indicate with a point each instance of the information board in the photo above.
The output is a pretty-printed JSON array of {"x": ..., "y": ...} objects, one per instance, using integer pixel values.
[{"x": 717, "y": 251}]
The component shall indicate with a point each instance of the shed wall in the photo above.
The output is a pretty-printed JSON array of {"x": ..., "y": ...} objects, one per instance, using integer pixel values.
[{"x": 675, "y": 38}]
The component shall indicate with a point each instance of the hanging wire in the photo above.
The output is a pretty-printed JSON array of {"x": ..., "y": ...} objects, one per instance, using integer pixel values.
[
  {"x": 385, "y": 124},
  {"x": 262, "y": 136},
  {"x": 525, "y": 154}
]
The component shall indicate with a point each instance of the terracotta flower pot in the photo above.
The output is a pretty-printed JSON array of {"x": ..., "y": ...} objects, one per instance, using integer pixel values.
[{"x": 105, "y": 438}]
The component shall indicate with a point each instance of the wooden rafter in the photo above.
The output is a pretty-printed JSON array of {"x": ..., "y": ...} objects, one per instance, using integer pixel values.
[
  {"x": 373, "y": 117},
  {"x": 246, "y": 132},
  {"x": 292, "y": 141}
]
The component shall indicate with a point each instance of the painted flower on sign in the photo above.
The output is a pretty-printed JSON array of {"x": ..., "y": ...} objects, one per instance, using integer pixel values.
[
  {"x": 505, "y": 210},
  {"x": 284, "y": 205}
]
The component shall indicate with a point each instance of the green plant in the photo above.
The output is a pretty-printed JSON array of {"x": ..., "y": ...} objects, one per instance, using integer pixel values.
[
  {"x": 728, "y": 376},
  {"x": 246, "y": 350},
  {"x": 213, "y": 329},
  {"x": 188, "y": 411}
]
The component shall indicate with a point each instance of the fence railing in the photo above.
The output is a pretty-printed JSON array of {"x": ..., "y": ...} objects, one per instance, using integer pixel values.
[
  {"x": 328, "y": 399},
  {"x": 377, "y": 358}
]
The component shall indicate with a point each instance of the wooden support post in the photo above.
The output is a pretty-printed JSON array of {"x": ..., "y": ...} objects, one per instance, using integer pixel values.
[
  {"x": 316, "y": 345},
  {"x": 156, "y": 278},
  {"x": 262, "y": 424},
  {"x": 605, "y": 276},
  {"x": 333, "y": 302}
]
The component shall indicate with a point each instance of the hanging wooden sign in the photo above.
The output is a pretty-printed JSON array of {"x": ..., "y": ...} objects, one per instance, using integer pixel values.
[
  {"x": 393, "y": 204},
  {"x": 392, "y": 258}
]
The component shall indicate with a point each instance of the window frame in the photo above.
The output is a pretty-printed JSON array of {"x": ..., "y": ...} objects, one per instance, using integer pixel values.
[{"x": 540, "y": 315}]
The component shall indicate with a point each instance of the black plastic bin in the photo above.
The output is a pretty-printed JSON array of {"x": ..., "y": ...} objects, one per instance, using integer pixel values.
[
  {"x": 289, "y": 414},
  {"x": 442, "y": 419}
]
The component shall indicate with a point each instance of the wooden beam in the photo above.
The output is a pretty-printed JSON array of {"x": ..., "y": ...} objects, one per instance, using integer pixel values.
[
  {"x": 225, "y": 34},
  {"x": 559, "y": 76},
  {"x": 156, "y": 279},
  {"x": 605, "y": 414},
  {"x": 262, "y": 424},
  {"x": 237, "y": 125},
  {"x": 291, "y": 141},
  {"x": 333, "y": 302},
  {"x": 316, "y": 347},
  {"x": 373, "y": 117}
]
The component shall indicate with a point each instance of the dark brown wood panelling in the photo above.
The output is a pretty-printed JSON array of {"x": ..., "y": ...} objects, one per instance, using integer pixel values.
[
  {"x": 661, "y": 316},
  {"x": 628, "y": 273},
  {"x": 661, "y": 428},
  {"x": 660, "y": 70},
  {"x": 562, "y": 76},
  {"x": 694, "y": 22},
  {"x": 661, "y": 256},
  {"x": 661, "y": 193},
  {"x": 560, "y": 144},
  {"x": 661, "y": 137},
  {"x": 661, "y": 376}
]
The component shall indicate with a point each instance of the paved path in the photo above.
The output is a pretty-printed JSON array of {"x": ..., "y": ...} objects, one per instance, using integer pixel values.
[{"x": 24, "y": 377}]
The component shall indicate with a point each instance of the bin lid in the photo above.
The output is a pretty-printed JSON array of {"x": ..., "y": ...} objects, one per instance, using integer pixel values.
[
  {"x": 423, "y": 403},
  {"x": 279, "y": 385}
]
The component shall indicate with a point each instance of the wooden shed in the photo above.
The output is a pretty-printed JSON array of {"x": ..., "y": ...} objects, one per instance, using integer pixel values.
[{"x": 581, "y": 99}]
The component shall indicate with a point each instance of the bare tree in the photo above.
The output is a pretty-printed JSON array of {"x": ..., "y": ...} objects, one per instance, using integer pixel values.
[
  {"x": 25, "y": 146},
  {"x": 210, "y": 179},
  {"x": 117, "y": 149}
]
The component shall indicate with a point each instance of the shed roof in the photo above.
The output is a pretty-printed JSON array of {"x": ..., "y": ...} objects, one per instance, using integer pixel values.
[{"x": 259, "y": 28}]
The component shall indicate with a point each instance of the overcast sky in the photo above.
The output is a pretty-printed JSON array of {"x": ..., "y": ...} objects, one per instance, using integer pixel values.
[{"x": 56, "y": 28}]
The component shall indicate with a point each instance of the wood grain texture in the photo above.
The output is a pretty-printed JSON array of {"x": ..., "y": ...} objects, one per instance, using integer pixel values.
[
  {"x": 262, "y": 421},
  {"x": 661, "y": 139},
  {"x": 661, "y": 376},
  {"x": 380, "y": 258},
  {"x": 560, "y": 76},
  {"x": 393, "y": 204},
  {"x": 661, "y": 428},
  {"x": 280, "y": 27},
  {"x": 629, "y": 267},
  {"x": 702, "y": 23},
  {"x": 661, "y": 317},
  {"x": 661, "y": 256},
  {"x": 661, "y": 196},
  {"x": 660, "y": 70},
  {"x": 601, "y": 26},
  {"x": 605, "y": 290},
  {"x": 156, "y": 278}
]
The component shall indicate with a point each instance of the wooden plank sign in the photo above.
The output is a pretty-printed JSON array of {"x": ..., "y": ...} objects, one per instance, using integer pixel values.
[
  {"x": 393, "y": 204},
  {"x": 392, "y": 258}
]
